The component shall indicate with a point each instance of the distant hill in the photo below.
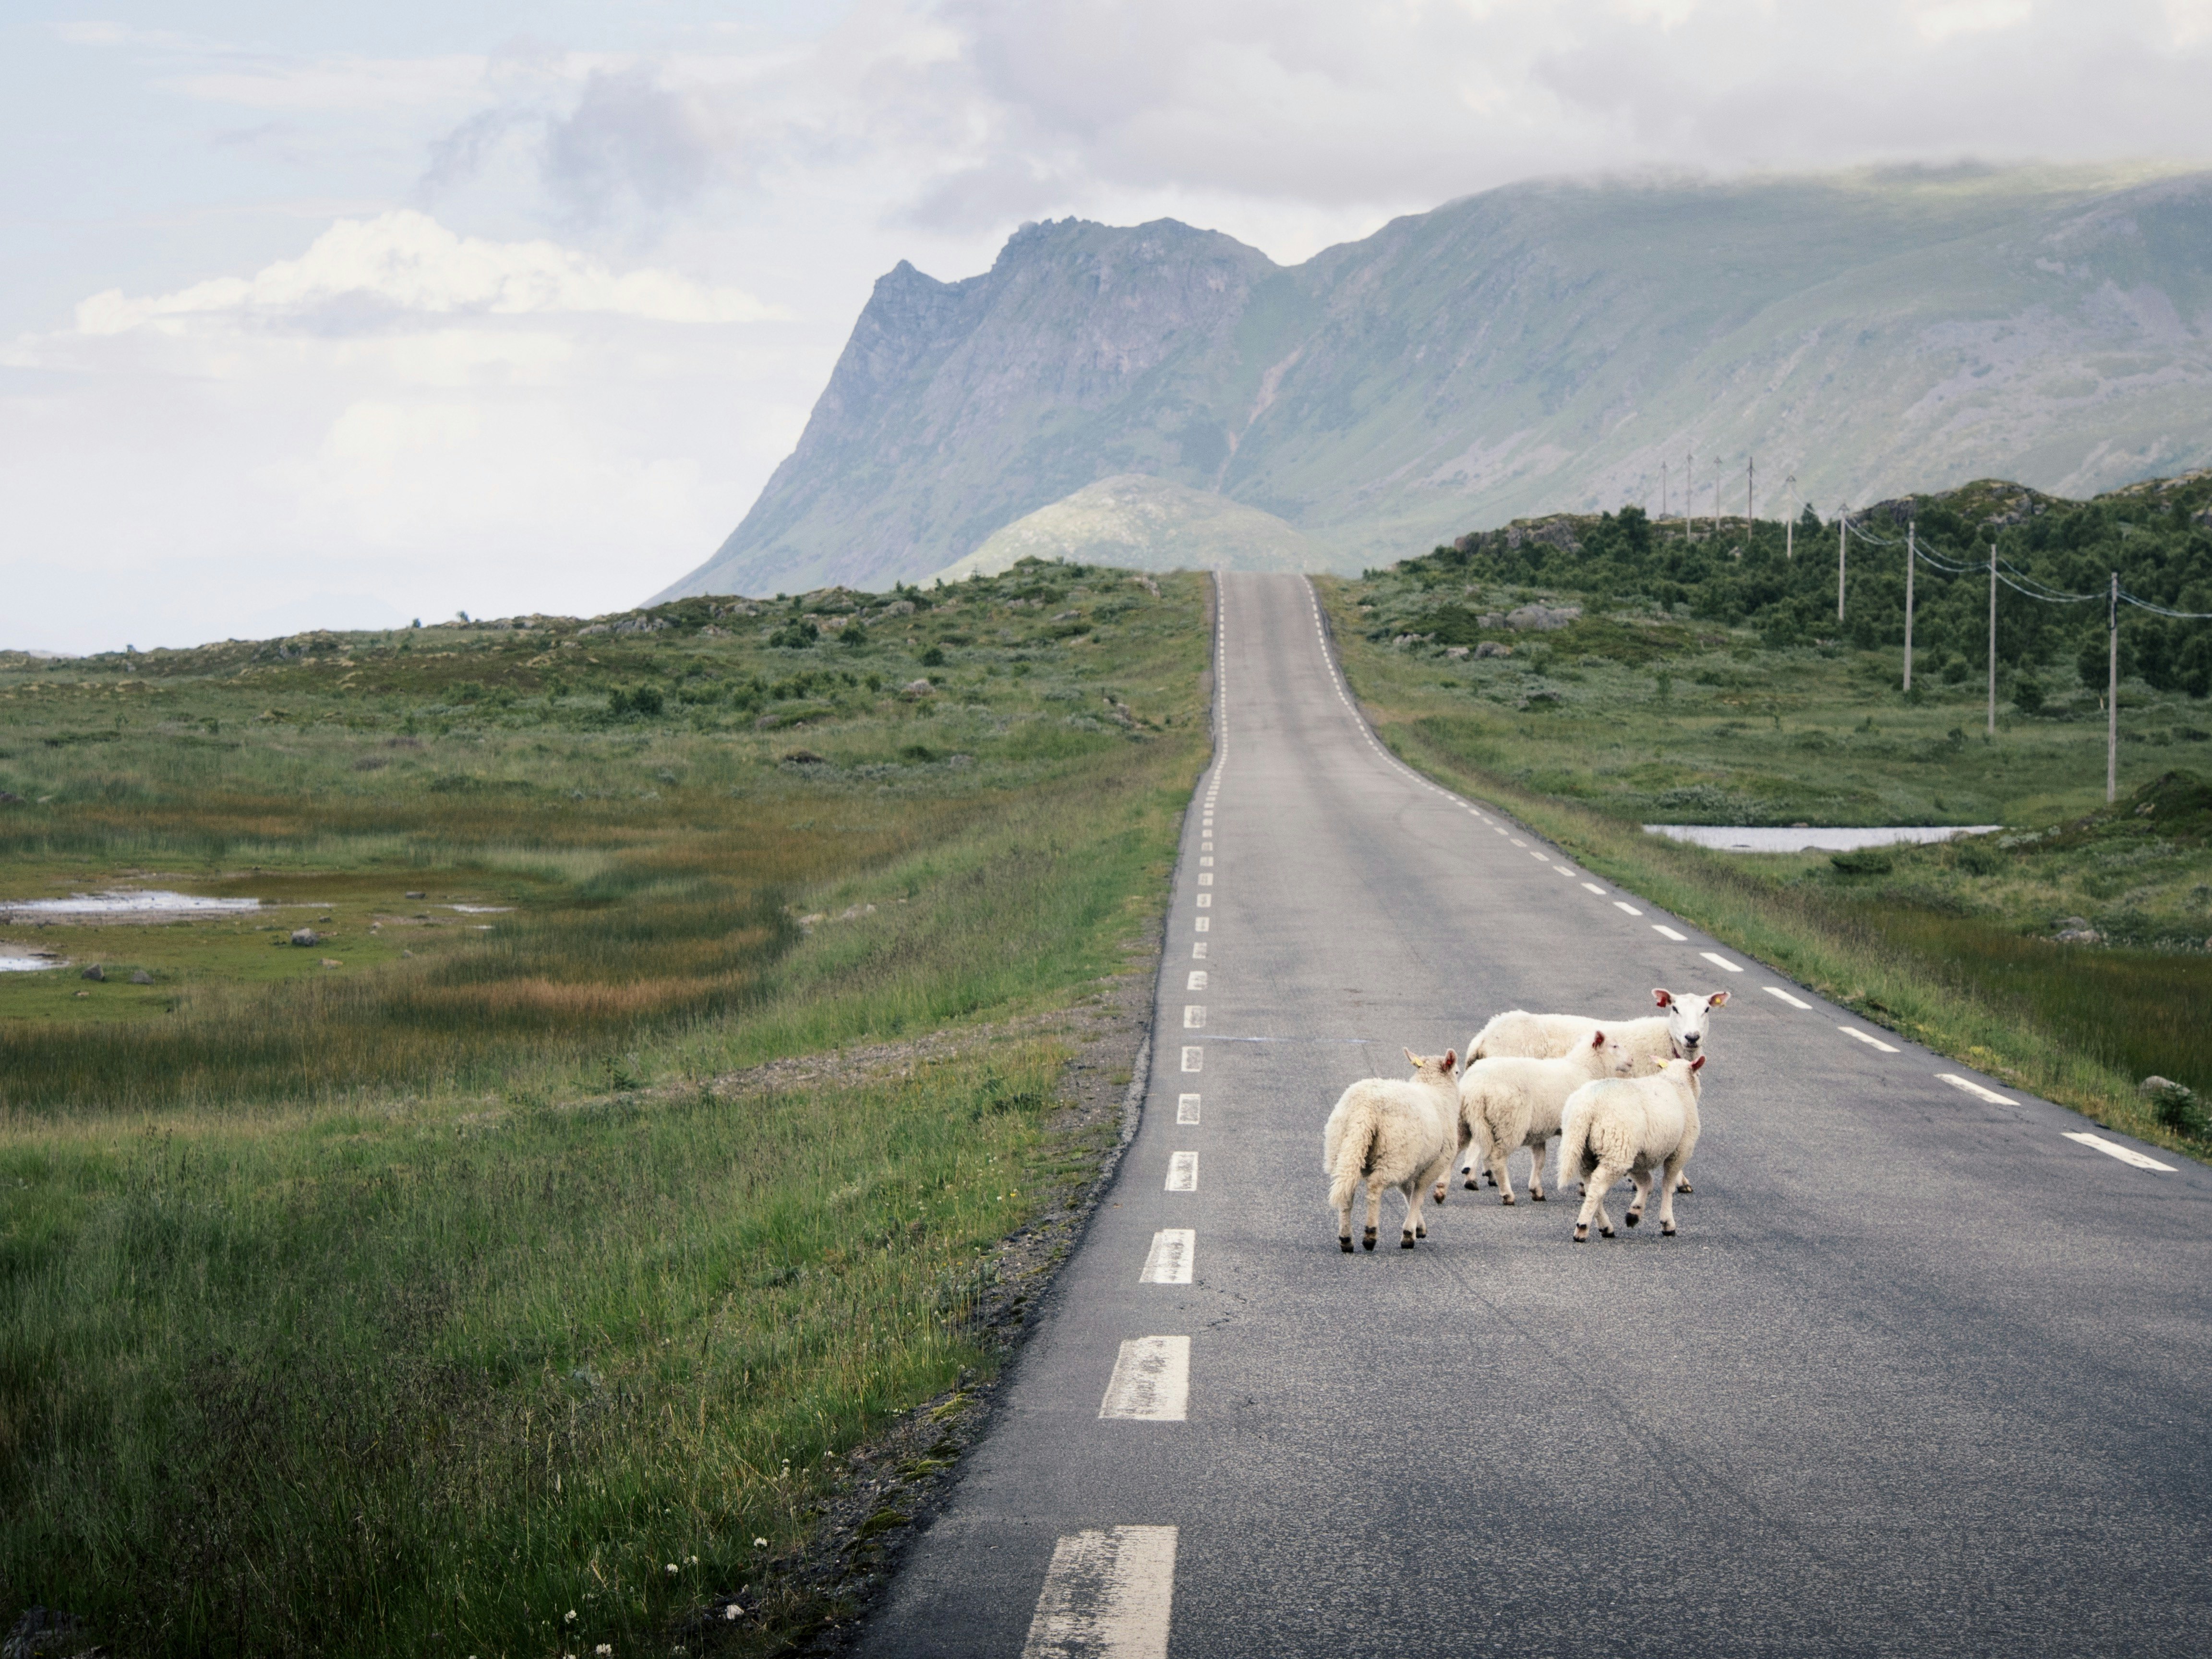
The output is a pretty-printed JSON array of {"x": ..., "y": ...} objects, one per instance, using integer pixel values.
[
  {"x": 1540, "y": 348},
  {"x": 1142, "y": 523}
]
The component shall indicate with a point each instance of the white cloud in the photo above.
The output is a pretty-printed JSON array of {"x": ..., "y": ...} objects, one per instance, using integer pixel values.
[{"x": 410, "y": 263}]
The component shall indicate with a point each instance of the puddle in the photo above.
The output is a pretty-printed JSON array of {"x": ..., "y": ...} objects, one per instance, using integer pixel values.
[
  {"x": 132, "y": 902},
  {"x": 480, "y": 910},
  {"x": 29, "y": 964},
  {"x": 1811, "y": 839}
]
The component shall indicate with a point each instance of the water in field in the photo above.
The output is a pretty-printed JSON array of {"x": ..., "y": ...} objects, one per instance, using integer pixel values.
[
  {"x": 29, "y": 964},
  {"x": 125, "y": 902},
  {"x": 1811, "y": 838}
]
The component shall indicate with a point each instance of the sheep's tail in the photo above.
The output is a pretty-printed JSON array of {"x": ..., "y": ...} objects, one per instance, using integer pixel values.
[
  {"x": 1353, "y": 1151},
  {"x": 1574, "y": 1140}
]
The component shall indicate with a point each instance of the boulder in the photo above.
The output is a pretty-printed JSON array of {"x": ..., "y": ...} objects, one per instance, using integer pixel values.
[
  {"x": 1491, "y": 649},
  {"x": 414, "y": 896},
  {"x": 917, "y": 688},
  {"x": 49, "y": 1633},
  {"x": 96, "y": 972},
  {"x": 140, "y": 977},
  {"x": 1541, "y": 619},
  {"x": 305, "y": 936}
]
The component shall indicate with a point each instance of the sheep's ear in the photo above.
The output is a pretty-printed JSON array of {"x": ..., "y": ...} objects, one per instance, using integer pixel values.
[
  {"x": 1412, "y": 1060},
  {"x": 1699, "y": 1064},
  {"x": 1662, "y": 996},
  {"x": 1597, "y": 1039},
  {"x": 1451, "y": 1060},
  {"x": 1717, "y": 998}
]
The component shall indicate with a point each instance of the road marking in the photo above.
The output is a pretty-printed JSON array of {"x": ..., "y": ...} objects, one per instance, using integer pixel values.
[
  {"x": 1198, "y": 951},
  {"x": 1108, "y": 1594},
  {"x": 1186, "y": 1108},
  {"x": 1517, "y": 840},
  {"x": 1679, "y": 939},
  {"x": 1975, "y": 1088},
  {"x": 1204, "y": 900},
  {"x": 1497, "y": 829},
  {"x": 1540, "y": 858},
  {"x": 2113, "y": 1149},
  {"x": 1206, "y": 880},
  {"x": 1182, "y": 1173},
  {"x": 1720, "y": 961},
  {"x": 1197, "y": 980},
  {"x": 1151, "y": 1380},
  {"x": 1621, "y": 904},
  {"x": 1871, "y": 1042},
  {"x": 1205, "y": 864},
  {"x": 1570, "y": 874},
  {"x": 1776, "y": 991},
  {"x": 1592, "y": 887},
  {"x": 1202, "y": 925},
  {"x": 1169, "y": 1263},
  {"x": 1194, "y": 1016},
  {"x": 1194, "y": 1058}
]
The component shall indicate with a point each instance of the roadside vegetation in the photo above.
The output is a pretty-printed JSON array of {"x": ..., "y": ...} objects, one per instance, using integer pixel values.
[
  {"x": 467, "y": 1278},
  {"x": 1650, "y": 677}
]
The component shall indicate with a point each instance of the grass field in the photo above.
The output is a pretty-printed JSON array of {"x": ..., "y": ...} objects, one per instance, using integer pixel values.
[
  {"x": 1638, "y": 712},
  {"x": 420, "y": 1289}
]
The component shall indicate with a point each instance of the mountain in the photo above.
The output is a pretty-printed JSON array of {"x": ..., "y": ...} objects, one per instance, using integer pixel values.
[
  {"x": 1142, "y": 523},
  {"x": 1544, "y": 347}
]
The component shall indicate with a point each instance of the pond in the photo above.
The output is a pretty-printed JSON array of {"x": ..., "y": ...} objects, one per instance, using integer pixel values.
[{"x": 1811, "y": 838}]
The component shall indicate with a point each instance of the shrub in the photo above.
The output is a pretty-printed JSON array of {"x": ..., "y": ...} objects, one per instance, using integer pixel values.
[
  {"x": 2027, "y": 695},
  {"x": 932, "y": 658},
  {"x": 1863, "y": 861},
  {"x": 796, "y": 635}
]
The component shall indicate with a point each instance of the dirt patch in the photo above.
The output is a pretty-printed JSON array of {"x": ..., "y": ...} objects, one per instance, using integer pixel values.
[{"x": 816, "y": 1599}]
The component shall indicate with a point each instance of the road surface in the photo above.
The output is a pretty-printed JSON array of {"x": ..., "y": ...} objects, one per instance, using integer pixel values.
[{"x": 1921, "y": 1374}]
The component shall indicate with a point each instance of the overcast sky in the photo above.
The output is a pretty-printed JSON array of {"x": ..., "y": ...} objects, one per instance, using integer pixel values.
[{"x": 345, "y": 314}]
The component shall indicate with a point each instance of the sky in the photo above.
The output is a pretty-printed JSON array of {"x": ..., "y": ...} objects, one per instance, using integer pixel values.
[{"x": 343, "y": 315}]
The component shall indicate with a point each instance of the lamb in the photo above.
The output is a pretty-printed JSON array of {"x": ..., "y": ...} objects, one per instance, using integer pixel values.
[
  {"x": 1391, "y": 1133},
  {"x": 1630, "y": 1125},
  {"x": 1510, "y": 1101},
  {"x": 1680, "y": 1032}
]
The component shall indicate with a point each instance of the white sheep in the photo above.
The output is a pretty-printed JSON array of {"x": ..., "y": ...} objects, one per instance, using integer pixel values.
[
  {"x": 1391, "y": 1133},
  {"x": 1631, "y": 1126},
  {"x": 1678, "y": 1034},
  {"x": 1509, "y": 1102}
]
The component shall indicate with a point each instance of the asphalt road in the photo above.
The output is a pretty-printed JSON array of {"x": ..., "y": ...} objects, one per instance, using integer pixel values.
[{"x": 1920, "y": 1375}]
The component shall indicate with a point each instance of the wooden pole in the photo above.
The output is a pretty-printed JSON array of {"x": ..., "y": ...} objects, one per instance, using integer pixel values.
[
  {"x": 1843, "y": 536},
  {"x": 1993, "y": 633},
  {"x": 2112, "y": 698},
  {"x": 1910, "y": 559}
]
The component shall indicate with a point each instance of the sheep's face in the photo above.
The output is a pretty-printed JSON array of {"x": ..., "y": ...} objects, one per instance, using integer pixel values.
[
  {"x": 1618, "y": 1062},
  {"x": 1433, "y": 1068},
  {"x": 1685, "y": 1072},
  {"x": 1688, "y": 1018}
]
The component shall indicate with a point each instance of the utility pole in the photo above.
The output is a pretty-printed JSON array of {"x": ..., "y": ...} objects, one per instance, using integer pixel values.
[
  {"x": 2112, "y": 699},
  {"x": 1790, "y": 519},
  {"x": 1689, "y": 495},
  {"x": 1750, "y": 489},
  {"x": 1843, "y": 537},
  {"x": 1993, "y": 633},
  {"x": 1912, "y": 558},
  {"x": 1662, "y": 489}
]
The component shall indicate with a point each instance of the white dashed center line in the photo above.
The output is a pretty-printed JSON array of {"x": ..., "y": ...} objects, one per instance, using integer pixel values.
[
  {"x": 1150, "y": 1381},
  {"x": 1870, "y": 1041},
  {"x": 1517, "y": 840},
  {"x": 1569, "y": 875},
  {"x": 1169, "y": 1263},
  {"x": 1679, "y": 939},
  {"x": 1108, "y": 1594},
  {"x": 1193, "y": 1059},
  {"x": 1540, "y": 858},
  {"x": 1182, "y": 1173},
  {"x": 1622, "y": 904},
  {"x": 1976, "y": 1089},
  {"x": 1592, "y": 887},
  {"x": 2113, "y": 1149},
  {"x": 1720, "y": 961},
  {"x": 1186, "y": 1108},
  {"x": 1776, "y": 991}
]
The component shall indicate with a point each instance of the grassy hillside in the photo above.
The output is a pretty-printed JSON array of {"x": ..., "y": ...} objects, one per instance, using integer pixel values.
[
  {"x": 1706, "y": 680},
  {"x": 1145, "y": 524},
  {"x": 470, "y": 1280}
]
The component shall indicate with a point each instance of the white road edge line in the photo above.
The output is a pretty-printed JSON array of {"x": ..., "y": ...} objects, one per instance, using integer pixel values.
[
  {"x": 1194, "y": 1058},
  {"x": 1194, "y": 1016},
  {"x": 1622, "y": 904},
  {"x": 2113, "y": 1149},
  {"x": 1776, "y": 991},
  {"x": 1150, "y": 1381},
  {"x": 1169, "y": 1263},
  {"x": 1720, "y": 961},
  {"x": 1109, "y": 1593},
  {"x": 1182, "y": 1172},
  {"x": 1975, "y": 1088},
  {"x": 1871, "y": 1041},
  {"x": 1591, "y": 886},
  {"x": 1679, "y": 939},
  {"x": 1186, "y": 1108}
]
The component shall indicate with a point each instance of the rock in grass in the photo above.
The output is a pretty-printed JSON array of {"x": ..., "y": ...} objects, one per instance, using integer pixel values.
[
  {"x": 95, "y": 972},
  {"x": 305, "y": 936},
  {"x": 414, "y": 896},
  {"x": 140, "y": 977},
  {"x": 917, "y": 688}
]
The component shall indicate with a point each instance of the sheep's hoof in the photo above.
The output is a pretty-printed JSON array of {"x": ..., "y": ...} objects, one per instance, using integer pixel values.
[
  {"x": 1666, "y": 1231},
  {"x": 1473, "y": 1185},
  {"x": 1347, "y": 1242},
  {"x": 1605, "y": 1232},
  {"x": 1582, "y": 1235},
  {"x": 1505, "y": 1197},
  {"x": 1405, "y": 1240},
  {"x": 1367, "y": 1242},
  {"x": 1535, "y": 1198},
  {"x": 1633, "y": 1217},
  {"x": 1489, "y": 1177},
  {"x": 1684, "y": 1187}
]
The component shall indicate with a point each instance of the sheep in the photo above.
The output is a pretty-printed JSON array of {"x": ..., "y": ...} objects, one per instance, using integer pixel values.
[
  {"x": 1510, "y": 1101},
  {"x": 1631, "y": 1126},
  {"x": 1391, "y": 1133},
  {"x": 1679, "y": 1033}
]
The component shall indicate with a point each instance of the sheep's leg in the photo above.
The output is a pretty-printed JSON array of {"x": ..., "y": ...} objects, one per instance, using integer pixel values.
[
  {"x": 1600, "y": 1181},
  {"x": 1374, "y": 1211},
  {"x": 1433, "y": 1177},
  {"x": 1671, "y": 1182},
  {"x": 1344, "y": 1225},
  {"x": 1682, "y": 1184},
  {"x": 1641, "y": 1180},
  {"x": 1443, "y": 1179},
  {"x": 1500, "y": 1156},
  {"x": 1537, "y": 1173}
]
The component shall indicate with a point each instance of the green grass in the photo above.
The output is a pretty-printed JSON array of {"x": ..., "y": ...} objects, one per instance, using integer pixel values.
[
  {"x": 444, "y": 1289},
  {"x": 1632, "y": 716}
]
